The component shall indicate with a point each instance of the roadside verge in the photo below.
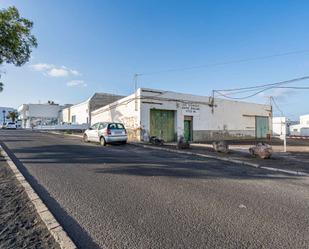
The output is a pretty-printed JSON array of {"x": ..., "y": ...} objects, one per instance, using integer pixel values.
[
  {"x": 226, "y": 159},
  {"x": 55, "y": 229}
]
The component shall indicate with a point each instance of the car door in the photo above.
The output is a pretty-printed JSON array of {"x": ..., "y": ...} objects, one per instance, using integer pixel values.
[
  {"x": 100, "y": 130},
  {"x": 92, "y": 133}
]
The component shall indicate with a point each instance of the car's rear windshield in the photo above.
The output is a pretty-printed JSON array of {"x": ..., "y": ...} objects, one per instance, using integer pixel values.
[
  {"x": 115, "y": 126},
  {"x": 11, "y": 123}
]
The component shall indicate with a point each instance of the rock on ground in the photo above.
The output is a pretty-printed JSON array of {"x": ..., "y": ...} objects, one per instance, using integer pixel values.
[{"x": 261, "y": 150}]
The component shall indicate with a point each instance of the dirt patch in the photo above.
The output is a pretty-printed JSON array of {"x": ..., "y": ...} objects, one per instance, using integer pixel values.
[{"x": 20, "y": 225}]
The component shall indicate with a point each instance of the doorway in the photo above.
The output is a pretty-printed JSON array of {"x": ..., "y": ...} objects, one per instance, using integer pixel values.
[
  {"x": 162, "y": 124},
  {"x": 261, "y": 127},
  {"x": 188, "y": 128}
]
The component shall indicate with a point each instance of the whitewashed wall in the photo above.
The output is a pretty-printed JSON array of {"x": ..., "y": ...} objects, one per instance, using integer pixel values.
[
  {"x": 39, "y": 110},
  {"x": 65, "y": 115},
  {"x": 81, "y": 112},
  {"x": 230, "y": 118},
  {"x": 280, "y": 126},
  {"x": 33, "y": 113},
  {"x": 125, "y": 111},
  {"x": 304, "y": 120}
]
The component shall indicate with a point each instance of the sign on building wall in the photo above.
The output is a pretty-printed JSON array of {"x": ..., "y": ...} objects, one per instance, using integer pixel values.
[{"x": 190, "y": 109}]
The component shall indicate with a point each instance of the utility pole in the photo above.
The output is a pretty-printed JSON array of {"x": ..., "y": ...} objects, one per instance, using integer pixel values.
[
  {"x": 271, "y": 117},
  {"x": 213, "y": 101},
  {"x": 282, "y": 124},
  {"x": 135, "y": 89}
]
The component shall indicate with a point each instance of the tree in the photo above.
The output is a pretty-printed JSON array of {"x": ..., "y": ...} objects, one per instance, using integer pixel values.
[
  {"x": 12, "y": 115},
  {"x": 16, "y": 40}
]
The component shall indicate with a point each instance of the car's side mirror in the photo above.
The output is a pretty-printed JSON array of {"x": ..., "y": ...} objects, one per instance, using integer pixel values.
[{"x": 90, "y": 128}]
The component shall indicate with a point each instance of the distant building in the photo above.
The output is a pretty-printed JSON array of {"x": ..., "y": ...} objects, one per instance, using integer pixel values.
[
  {"x": 171, "y": 115},
  {"x": 301, "y": 129},
  {"x": 281, "y": 126},
  {"x": 32, "y": 115},
  {"x": 80, "y": 113},
  {"x": 4, "y": 111}
]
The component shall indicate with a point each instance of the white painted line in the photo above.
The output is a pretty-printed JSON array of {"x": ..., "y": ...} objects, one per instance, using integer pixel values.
[
  {"x": 56, "y": 230},
  {"x": 226, "y": 159}
]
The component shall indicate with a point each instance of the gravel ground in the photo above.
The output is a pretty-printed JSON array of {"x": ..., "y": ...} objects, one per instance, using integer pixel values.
[{"x": 20, "y": 226}]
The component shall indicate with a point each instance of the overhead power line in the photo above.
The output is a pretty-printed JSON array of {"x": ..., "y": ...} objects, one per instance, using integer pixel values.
[
  {"x": 225, "y": 62},
  {"x": 259, "y": 88},
  {"x": 276, "y": 105}
]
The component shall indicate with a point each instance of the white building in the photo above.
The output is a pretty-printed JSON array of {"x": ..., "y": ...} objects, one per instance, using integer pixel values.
[
  {"x": 38, "y": 114},
  {"x": 170, "y": 115},
  {"x": 301, "y": 129},
  {"x": 80, "y": 113},
  {"x": 281, "y": 126},
  {"x": 4, "y": 111}
]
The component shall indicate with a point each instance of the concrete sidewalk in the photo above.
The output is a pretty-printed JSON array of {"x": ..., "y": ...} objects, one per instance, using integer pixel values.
[{"x": 293, "y": 162}]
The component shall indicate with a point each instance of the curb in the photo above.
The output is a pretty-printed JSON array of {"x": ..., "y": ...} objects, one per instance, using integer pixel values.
[
  {"x": 63, "y": 134},
  {"x": 255, "y": 165},
  {"x": 56, "y": 230}
]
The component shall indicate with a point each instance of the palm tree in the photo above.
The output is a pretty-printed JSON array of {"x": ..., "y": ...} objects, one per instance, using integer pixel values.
[{"x": 12, "y": 115}]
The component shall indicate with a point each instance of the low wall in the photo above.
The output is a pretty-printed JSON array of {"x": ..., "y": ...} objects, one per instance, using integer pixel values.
[
  {"x": 211, "y": 135},
  {"x": 62, "y": 127}
]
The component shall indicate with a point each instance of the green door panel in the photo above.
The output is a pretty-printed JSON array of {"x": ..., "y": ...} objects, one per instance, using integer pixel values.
[
  {"x": 187, "y": 130},
  {"x": 262, "y": 127},
  {"x": 162, "y": 124}
]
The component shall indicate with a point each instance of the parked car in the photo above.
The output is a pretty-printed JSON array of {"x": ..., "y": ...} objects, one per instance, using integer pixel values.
[
  {"x": 105, "y": 133},
  {"x": 11, "y": 125}
]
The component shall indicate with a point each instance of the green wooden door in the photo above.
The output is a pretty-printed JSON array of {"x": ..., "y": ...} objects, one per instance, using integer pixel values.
[
  {"x": 187, "y": 130},
  {"x": 261, "y": 127},
  {"x": 162, "y": 124}
]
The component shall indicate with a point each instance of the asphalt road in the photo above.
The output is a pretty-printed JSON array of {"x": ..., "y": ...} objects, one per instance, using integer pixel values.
[{"x": 130, "y": 197}]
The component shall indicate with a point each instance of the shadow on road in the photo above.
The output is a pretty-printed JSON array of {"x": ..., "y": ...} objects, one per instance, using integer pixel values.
[
  {"x": 131, "y": 160},
  {"x": 80, "y": 237}
]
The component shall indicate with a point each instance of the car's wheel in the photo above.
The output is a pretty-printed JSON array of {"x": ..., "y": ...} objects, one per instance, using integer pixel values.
[
  {"x": 123, "y": 142},
  {"x": 85, "y": 138},
  {"x": 102, "y": 141}
]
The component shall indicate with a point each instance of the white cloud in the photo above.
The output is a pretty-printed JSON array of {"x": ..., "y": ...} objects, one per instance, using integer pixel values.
[
  {"x": 73, "y": 83},
  {"x": 58, "y": 72},
  {"x": 280, "y": 94},
  {"x": 40, "y": 66},
  {"x": 54, "y": 71}
]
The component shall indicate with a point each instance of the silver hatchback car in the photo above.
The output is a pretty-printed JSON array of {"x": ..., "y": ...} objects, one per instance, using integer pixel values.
[{"x": 106, "y": 132}]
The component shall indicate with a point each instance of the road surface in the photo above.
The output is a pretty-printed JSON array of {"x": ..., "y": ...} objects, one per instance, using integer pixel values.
[{"x": 131, "y": 197}]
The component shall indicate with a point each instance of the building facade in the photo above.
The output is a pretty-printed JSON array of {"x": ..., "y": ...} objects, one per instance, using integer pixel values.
[
  {"x": 301, "y": 129},
  {"x": 171, "y": 115},
  {"x": 32, "y": 115},
  {"x": 281, "y": 126},
  {"x": 80, "y": 113}
]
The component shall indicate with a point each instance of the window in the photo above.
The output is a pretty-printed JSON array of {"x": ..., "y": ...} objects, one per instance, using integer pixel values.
[
  {"x": 120, "y": 126},
  {"x": 95, "y": 126},
  {"x": 116, "y": 126},
  {"x": 73, "y": 119},
  {"x": 102, "y": 126}
]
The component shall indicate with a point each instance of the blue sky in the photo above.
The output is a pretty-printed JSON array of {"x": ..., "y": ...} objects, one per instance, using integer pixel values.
[{"x": 97, "y": 46}]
